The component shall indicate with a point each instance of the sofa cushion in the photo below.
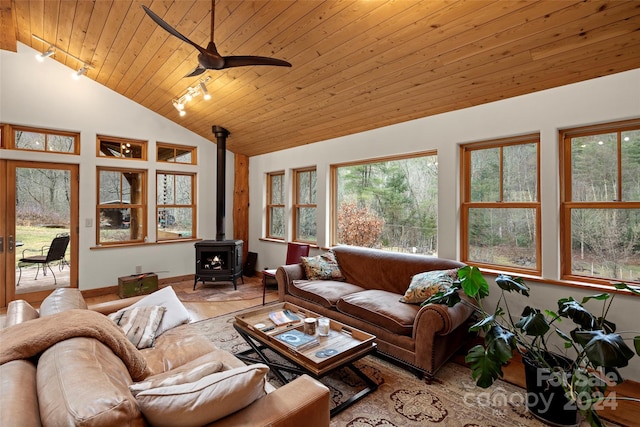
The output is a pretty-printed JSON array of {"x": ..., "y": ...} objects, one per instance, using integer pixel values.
[
  {"x": 175, "y": 348},
  {"x": 323, "y": 292},
  {"x": 381, "y": 308},
  {"x": 187, "y": 373},
  {"x": 62, "y": 299},
  {"x": 322, "y": 267},
  {"x": 80, "y": 381},
  {"x": 424, "y": 285},
  {"x": 19, "y": 402},
  {"x": 205, "y": 400},
  {"x": 19, "y": 311},
  {"x": 176, "y": 313},
  {"x": 139, "y": 324}
]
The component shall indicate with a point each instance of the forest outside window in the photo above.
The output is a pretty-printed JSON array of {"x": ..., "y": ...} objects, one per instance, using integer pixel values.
[
  {"x": 500, "y": 215},
  {"x": 304, "y": 207},
  {"x": 390, "y": 204},
  {"x": 600, "y": 240},
  {"x": 121, "y": 148},
  {"x": 44, "y": 140},
  {"x": 176, "y": 154},
  {"x": 275, "y": 206},
  {"x": 175, "y": 205},
  {"x": 122, "y": 208}
]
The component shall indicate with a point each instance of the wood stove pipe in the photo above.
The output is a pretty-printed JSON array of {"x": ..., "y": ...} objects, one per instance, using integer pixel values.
[{"x": 221, "y": 143}]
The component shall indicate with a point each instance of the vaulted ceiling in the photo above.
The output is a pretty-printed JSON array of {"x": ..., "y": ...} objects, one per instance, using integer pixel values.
[{"x": 357, "y": 64}]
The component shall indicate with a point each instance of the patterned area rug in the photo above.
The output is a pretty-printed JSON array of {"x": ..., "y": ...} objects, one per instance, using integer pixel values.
[
  {"x": 402, "y": 399},
  {"x": 218, "y": 291}
]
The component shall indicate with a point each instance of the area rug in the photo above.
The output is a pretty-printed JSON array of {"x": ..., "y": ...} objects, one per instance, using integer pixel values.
[
  {"x": 402, "y": 399},
  {"x": 217, "y": 291}
]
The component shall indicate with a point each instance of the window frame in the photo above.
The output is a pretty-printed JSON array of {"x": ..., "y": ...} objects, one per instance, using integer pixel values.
[
  {"x": 270, "y": 205},
  {"x": 9, "y": 138},
  {"x": 175, "y": 147},
  {"x": 121, "y": 141},
  {"x": 297, "y": 205},
  {"x": 192, "y": 206},
  {"x": 567, "y": 204},
  {"x": 143, "y": 206},
  {"x": 466, "y": 204}
]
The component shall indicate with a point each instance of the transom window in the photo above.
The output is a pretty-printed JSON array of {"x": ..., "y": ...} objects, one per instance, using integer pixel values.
[
  {"x": 304, "y": 206},
  {"x": 500, "y": 215},
  {"x": 175, "y": 205},
  {"x": 600, "y": 207},
  {"x": 391, "y": 204},
  {"x": 122, "y": 207},
  {"x": 176, "y": 153},
  {"x": 51, "y": 141},
  {"x": 122, "y": 148},
  {"x": 275, "y": 206}
]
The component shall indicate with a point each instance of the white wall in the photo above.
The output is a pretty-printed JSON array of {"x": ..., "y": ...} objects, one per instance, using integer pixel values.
[
  {"x": 611, "y": 98},
  {"x": 44, "y": 95}
]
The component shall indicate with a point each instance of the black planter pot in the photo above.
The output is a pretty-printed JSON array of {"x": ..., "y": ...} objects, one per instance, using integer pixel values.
[{"x": 546, "y": 398}]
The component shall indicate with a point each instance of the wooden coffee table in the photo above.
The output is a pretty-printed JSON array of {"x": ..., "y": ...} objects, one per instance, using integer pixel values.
[{"x": 340, "y": 349}]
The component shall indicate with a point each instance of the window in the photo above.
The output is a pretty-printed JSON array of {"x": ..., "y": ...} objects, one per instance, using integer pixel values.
[
  {"x": 176, "y": 154},
  {"x": 390, "y": 204},
  {"x": 275, "y": 205},
  {"x": 304, "y": 206},
  {"x": 500, "y": 215},
  {"x": 109, "y": 146},
  {"x": 122, "y": 207},
  {"x": 45, "y": 140},
  {"x": 600, "y": 209},
  {"x": 175, "y": 205}
]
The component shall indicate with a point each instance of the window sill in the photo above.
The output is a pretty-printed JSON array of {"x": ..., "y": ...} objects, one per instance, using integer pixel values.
[
  {"x": 267, "y": 239},
  {"x": 129, "y": 245}
]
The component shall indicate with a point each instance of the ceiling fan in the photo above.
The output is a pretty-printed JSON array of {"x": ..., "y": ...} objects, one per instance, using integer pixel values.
[{"x": 209, "y": 58}]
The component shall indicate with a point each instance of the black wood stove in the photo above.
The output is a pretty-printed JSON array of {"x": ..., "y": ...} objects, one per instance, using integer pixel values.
[{"x": 218, "y": 260}]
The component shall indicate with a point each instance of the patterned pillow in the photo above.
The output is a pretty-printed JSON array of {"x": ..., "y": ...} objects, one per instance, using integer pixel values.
[
  {"x": 139, "y": 324},
  {"x": 424, "y": 285},
  {"x": 322, "y": 267}
]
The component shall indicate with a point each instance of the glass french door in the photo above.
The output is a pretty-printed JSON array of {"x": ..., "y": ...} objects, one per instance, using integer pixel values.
[{"x": 39, "y": 230}]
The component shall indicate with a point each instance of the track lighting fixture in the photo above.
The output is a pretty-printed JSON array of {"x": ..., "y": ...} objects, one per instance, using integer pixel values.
[
  {"x": 190, "y": 94},
  {"x": 41, "y": 56},
  {"x": 53, "y": 49}
]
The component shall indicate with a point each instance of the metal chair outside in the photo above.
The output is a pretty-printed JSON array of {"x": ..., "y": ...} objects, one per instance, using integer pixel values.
[{"x": 55, "y": 252}]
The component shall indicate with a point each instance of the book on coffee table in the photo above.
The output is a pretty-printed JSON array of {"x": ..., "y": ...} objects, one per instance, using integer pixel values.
[
  {"x": 297, "y": 339},
  {"x": 283, "y": 317}
]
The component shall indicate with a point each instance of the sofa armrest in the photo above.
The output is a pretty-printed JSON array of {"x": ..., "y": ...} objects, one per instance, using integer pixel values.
[
  {"x": 287, "y": 274},
  {"x": 115, "y": 305},
  {"x": 442, "y": 320},
  {"x": 304, "y": 401}
]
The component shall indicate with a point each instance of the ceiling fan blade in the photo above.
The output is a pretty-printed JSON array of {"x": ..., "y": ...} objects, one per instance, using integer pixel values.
[
  {"x": 168, "y": 28},
  {"x": 197, "y": 71},
  {"x": 241, "y": 61}
]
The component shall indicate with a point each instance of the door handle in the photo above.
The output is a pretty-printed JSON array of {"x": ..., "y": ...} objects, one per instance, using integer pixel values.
[
  {"x": 1, "y": 244},
  {"x": 10, "y": 244}
]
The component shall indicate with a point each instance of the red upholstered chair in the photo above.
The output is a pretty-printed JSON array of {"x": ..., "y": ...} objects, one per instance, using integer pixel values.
[{"x": 295, "y": 251}]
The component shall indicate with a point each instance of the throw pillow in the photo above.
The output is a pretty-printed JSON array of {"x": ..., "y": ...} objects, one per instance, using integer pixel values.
[
  {"x": 322, "y": 267},
  {"x": 176, "y": 313},
  {"x": 204, "y": 401},
  {"x": 139, "y": 324},
  {"x": 424, "y": 285},
  {"x": 187, "y": 373}
]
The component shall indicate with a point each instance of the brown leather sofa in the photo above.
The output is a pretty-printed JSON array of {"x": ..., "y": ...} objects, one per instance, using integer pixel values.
[
  {"x": 422, "y": 338},
  {"x": 80, "y": 381}
]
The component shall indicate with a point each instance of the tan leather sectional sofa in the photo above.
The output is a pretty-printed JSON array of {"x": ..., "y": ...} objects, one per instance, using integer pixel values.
[
  {"x": 81, "y": 381},
  {"x": 422, "y": 338}
]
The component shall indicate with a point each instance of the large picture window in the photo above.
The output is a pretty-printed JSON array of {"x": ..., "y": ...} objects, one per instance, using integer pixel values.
[
  {"x": 175, "y": 205},
  {"x": 304, "y": 206},
  {"x": 500, "y": 214},
  {"x": 275, "y": 206},
  {"x": 122, "y": 207},
  {"x": 390, "y": 204},
  {"x": 600, "y": 208}
]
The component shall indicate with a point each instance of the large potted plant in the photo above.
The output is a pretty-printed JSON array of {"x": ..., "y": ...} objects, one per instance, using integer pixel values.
[{"x": 561, "y": 382}]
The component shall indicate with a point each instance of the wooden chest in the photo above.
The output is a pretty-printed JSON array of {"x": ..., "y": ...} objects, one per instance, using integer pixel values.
[{"x": 137, "y": 284}]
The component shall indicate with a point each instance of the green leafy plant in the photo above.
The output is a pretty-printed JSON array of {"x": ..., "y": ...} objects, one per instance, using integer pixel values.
[{"x": 599, "y": 350}]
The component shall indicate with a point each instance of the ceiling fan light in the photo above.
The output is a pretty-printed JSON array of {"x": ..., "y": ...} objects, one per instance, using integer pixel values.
[
  {"x": 41, "y": 56},
  {"x": 205, "y": 92}
]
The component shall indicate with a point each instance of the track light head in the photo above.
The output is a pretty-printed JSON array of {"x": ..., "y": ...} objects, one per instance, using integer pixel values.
[
  {"x": 205, "y": 92},
  {"x": 41, "y": 56},
  {"x": 82, "y": 71}
]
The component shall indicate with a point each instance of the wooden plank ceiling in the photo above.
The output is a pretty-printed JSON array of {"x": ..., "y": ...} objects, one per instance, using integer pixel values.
[{"x": 357, "y": 65}]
